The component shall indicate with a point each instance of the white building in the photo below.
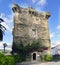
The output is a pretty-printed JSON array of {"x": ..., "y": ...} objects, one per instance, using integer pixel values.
[{"x": 55, "y": 50}]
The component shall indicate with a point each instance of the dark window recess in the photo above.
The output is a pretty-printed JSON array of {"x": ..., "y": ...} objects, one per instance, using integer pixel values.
[
  {"x": 34, "y": 30},
  {"x": 21, "y": 25},
  {"x": 30, "y": 12},
  {"x": 22, "y": 19},
  {"x": 47, "y": 16},
  {"x": 35, "y": 14},
  {"x": 14, "y": 9}
]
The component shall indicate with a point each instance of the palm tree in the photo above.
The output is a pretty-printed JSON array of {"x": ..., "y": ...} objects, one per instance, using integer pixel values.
[{"x": 2, "y": 29}]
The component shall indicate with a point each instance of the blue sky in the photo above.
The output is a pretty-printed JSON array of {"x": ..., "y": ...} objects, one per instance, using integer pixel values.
[{"x": 52, "y": 6}]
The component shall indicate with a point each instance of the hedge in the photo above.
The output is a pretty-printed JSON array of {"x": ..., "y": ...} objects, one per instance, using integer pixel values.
[
  {"x": 6, "y": 60},
  {"x": 48, "y": 57}
]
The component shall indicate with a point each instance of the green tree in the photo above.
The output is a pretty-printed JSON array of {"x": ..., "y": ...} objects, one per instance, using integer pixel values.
[
  {"x": 6, "y": 60},
  {"x": 48, "y": 57}
]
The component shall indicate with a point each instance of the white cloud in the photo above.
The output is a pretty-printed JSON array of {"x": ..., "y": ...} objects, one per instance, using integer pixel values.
[
  {"x": 55, "y": 43},
  {"x": 58, "y": 27},
  {"x": 59, "y": 35},
  {"x": 1, "y": 44},
  {"x": 5, "y": 25},
  {"x": 42, "y": 2},
  {"x": 58, "y": 42},
  {"x": 8, "y": 20},
  {"x": 9, "y": 47},
  {"x": 39, "y": 2},
  {"x": 33, "y": 1},
  {"x": 52, "y": 35}
]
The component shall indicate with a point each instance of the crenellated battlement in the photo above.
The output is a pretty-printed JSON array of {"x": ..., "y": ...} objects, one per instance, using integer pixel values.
[{"x": 31, "y": 11}]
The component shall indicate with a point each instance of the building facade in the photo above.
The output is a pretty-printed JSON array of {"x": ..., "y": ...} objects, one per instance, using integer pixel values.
[
  {"x": 55, "y": 50},
  {"x": 29, "y": 26}
]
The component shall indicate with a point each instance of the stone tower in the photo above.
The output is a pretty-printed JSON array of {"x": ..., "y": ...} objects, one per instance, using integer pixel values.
[{"x": 30, "y": 25}]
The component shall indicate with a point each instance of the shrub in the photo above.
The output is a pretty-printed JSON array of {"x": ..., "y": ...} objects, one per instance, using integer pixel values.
[
  {"x": 56, "y": 57},
  {"x": 9, "y": 60},
  {"x": 6, "y": 60},
  {"x": 48, "y": 57},
  {"x": 17, "y": 58},
  {"x": 2, "y": 59}
]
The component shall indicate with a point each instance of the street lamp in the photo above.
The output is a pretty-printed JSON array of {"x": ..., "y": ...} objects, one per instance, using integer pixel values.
[{"x": 4, "y": 45}]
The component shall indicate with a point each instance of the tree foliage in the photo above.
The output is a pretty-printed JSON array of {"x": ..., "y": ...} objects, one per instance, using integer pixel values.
[
  {"x": 6, "y": 60},
  {"x": 48, "y": 57},
  {"x": 2, "y": 29},
  {"x": 24, "y": 50}
]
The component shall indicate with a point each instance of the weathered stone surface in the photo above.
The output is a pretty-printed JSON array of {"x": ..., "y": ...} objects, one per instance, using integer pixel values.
[{"x": 30, "y": 25}]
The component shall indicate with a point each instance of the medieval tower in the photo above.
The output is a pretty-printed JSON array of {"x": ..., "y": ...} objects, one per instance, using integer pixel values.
[{"x": 30, "y": 25}]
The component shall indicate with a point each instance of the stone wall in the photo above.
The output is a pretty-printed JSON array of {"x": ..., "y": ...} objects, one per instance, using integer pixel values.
[{"x": 30, "y": 25}]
